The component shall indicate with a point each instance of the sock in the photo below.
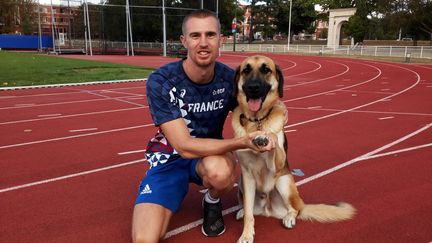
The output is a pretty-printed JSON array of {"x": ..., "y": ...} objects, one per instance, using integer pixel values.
[{"x": 209, "y": 198}]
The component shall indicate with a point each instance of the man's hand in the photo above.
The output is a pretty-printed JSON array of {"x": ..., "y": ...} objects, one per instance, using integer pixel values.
[{"x": 262, "y": 141}]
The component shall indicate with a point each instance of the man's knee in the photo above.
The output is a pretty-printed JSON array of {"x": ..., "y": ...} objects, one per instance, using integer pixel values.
[{"x": 220, "y": 172}]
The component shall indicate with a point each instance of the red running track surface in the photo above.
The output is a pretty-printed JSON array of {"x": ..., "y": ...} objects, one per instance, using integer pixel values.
[{"x": 72, "y": 157}]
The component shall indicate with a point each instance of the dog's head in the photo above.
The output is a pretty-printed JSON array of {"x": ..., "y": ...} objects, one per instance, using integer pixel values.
[{"x": 258, "y": 83}]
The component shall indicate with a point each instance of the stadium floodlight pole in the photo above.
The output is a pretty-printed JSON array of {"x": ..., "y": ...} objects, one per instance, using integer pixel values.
[
  {"x": 202, "y": 4},
  {"x": 39, "y": 28},
  {"x": 289, "y": 25},
  {"x": 164, "y": 29},
  {"x": 52, "y": 27},
  {"x": 127, "y": 28},
  {"x": 88, "y": 29},
  {"x": 130, "y": 29},
  {"x": 85, "y": 27},
  {"x": 217, "y": 8}
]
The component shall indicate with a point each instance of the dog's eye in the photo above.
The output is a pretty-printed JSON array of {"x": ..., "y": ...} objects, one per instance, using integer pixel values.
[
  {"x": 247, "y": 69},
  {"x": 264, "y": 69}
]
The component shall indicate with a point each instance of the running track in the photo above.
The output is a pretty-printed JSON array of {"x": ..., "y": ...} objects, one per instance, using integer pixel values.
[{"x": 71, "y": 158}]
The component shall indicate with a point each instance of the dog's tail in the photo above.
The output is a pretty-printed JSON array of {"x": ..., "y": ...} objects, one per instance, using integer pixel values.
[{"x": 327, "y": 213}]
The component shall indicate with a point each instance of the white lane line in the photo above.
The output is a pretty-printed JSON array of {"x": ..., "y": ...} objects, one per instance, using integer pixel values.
[
  {"x": 74, "y": 136},
  {"x": 73, "y": 84},
  {"x": 59, "y": 103},
  {"x": 70, "y": 176},
  {"x": 368, "y": 112},
  {"x": 304, "y": 181},
  {"x": 331, "y": 92},
  {"x": 73, "y": 115},
  {"x": 48, "y": 115},
  {"x": 361, "y": 106},
  {"x": 293, "y": 130},
  {"x": 23, "y": 105},
  {"x": 7, "y": 97},
  {"x": 135, "y": 98},
  {"x": 84, "y": 129},
  {"x": 114, "y": 98},
  {"x": 299, "y": 74},
  {"x": 398, "y": 151},
  {"x": 386, "y": 118},
  {"x": 315, "y": 107},
  {"x": 132, "y": 152},
  {"x": 321, "y": 79}
]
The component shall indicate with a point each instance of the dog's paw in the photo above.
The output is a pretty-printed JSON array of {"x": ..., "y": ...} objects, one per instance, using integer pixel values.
[
  {"x": 245, "y": 238},
  {"x": 240, "y": 214},
  {"x": 289, "y": 221},
  {"x": 260, "y": 141}
]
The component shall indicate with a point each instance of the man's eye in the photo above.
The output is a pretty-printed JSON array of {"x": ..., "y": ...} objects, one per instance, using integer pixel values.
[{"x": 211, "y": 35}]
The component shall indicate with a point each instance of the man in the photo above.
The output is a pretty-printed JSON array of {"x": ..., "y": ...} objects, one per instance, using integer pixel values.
[{"x": 189, "y": 101}]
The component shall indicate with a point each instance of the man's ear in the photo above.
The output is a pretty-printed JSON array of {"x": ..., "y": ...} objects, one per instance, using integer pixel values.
[
  {"x": 280, "y": 78},
  {"x": 183, "y": 41},
  {"x": 236, "y": 80}
]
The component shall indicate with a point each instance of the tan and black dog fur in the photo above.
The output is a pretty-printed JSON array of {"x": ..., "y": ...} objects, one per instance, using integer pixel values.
[{"x": 267, "y": 186}]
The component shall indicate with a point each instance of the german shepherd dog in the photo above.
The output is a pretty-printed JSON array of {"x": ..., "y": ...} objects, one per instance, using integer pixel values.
[{"x": 267, "y": 186}]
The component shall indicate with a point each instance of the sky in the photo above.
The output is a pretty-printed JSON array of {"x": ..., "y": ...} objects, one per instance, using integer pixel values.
[{"x": 65, "y": 2}]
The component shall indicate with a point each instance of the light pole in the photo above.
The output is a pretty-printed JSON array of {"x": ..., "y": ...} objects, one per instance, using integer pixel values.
[
  {"x": 289, "y": 25},
  {"x": 234, "y": 27}
]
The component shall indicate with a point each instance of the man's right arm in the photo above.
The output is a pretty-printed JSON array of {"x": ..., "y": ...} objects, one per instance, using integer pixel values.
[{"x": 187, "y": 146}]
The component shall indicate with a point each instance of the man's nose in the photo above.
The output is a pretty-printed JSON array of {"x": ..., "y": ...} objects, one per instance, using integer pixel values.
[{"x": 203, "y": 41}]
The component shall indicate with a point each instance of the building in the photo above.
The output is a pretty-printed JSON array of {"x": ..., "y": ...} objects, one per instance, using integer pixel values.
[{"x": 61, "y": 17}]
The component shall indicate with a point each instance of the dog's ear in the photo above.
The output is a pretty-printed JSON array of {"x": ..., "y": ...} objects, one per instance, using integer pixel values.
[
  {"x": 236, "y": 80},
  {"x": 280, "y": 78}
]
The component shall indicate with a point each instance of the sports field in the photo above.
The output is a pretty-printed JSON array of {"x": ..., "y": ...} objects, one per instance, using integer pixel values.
[{"x": 360, "y": 131}]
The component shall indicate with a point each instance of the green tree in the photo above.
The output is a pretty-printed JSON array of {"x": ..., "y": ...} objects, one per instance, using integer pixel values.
[
  {"x": 303, "y": 16},
  {"x": 15, "y": 14}
]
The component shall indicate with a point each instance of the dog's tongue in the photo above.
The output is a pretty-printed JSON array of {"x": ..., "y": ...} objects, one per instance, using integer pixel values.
[{"x": 254, "y": 105}]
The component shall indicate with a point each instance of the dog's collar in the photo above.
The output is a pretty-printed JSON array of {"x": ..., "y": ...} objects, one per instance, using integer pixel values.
[{"x": 257, "y": 121}]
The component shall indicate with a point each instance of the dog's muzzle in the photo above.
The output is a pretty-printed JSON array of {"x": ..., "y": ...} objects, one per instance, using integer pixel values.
[{"x": 255, "y": 90}]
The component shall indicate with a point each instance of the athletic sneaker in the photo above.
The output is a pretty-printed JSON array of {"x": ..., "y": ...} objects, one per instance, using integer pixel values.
[{"x": 213, "y": 224}]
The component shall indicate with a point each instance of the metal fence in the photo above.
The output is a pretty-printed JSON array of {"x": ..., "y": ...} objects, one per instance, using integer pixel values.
[{"x": 383, "y": 51}]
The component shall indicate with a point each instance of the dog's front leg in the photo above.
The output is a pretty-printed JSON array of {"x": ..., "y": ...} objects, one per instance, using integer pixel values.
[
  {"x": 249, "y": 187},
  {"x": 288, "y": 191}
]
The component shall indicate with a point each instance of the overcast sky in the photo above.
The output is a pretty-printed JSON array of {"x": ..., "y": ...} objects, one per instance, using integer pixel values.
[
  {"x": 65, "y": 2},
  {"x": 78, "y": 2}
]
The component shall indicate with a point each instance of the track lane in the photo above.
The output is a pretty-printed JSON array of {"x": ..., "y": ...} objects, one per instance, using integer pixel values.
[{"x": 301, "y": 139}]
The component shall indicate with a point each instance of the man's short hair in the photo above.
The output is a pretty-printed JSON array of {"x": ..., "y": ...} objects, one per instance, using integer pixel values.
[{"x": 200, "y": 14}]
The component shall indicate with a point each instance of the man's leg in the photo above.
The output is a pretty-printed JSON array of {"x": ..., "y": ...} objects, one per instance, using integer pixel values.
[
  {"x": 149, "y": 223},
  {"x": 217, "y": 173}
]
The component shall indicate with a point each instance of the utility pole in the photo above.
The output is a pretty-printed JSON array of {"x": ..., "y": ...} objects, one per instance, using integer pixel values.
[
  {"x": 234, "y": 28},
  {"x": 289, "y": 25}
]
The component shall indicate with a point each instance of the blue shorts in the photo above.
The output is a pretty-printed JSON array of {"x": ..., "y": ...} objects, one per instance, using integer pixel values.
[{"x": 167, "y": 184}]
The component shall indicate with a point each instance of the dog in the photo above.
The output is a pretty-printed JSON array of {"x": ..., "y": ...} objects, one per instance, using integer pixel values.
[{"x": 266, "y": 185}]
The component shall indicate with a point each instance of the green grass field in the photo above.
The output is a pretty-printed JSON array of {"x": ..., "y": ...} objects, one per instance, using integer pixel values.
[{"x": 27, "y": 68}]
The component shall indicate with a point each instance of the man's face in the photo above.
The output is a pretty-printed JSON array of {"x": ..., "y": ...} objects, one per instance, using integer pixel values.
[{"x": 202, "y": 39}]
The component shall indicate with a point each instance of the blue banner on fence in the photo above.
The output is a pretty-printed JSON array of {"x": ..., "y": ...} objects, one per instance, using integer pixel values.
[{"x": 24, "y": 42}]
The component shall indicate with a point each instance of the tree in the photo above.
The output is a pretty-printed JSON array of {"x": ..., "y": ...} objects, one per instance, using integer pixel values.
[
  {"x": 302, "y": 16},
  {"x": 18, "y": 14}
]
